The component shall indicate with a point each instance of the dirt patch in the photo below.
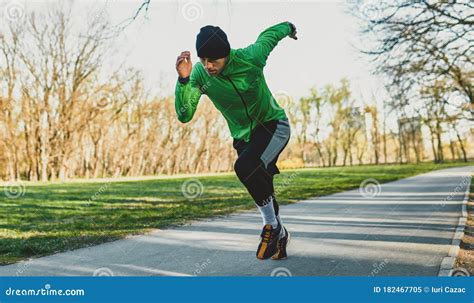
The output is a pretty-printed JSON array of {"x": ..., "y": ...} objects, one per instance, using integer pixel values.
[{"x": 465, "y": 259}]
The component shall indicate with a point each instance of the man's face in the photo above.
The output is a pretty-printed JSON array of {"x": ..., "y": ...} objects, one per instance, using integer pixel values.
[{"x": 213, "y": 66}]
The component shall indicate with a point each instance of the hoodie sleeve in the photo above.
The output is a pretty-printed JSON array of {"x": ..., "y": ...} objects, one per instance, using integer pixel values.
[
  {"x": 266, "y": 42},
  {"x": 187, "y": 95}
]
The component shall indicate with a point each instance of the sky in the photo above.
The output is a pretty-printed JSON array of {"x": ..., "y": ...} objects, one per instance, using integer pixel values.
[{"x": 323, "y": 54}]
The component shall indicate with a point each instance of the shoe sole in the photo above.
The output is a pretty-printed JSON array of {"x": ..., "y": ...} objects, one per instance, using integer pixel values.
[{"x": 287, "y": 244}]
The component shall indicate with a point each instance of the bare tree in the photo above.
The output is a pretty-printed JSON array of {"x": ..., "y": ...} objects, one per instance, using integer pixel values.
[{"x": 419, "y": 41}]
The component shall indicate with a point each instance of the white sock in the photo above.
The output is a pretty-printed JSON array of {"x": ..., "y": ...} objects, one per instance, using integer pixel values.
[
  {"x": 282, "y": 231},
  {"x": 268, "y": 213}
]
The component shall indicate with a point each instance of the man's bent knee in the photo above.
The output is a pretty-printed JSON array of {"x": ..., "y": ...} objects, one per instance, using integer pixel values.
[{"x": 245, "y": 166}]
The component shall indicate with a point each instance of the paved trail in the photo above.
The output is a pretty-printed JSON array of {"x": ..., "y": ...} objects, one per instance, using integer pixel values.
[{"x": 405, "y": 230}]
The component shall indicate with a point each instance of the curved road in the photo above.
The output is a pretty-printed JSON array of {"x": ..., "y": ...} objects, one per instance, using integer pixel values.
[{"x": 402, "y": 228}]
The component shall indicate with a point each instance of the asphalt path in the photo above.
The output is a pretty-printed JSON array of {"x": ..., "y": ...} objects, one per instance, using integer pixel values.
[{"x": 400, "y": 228}]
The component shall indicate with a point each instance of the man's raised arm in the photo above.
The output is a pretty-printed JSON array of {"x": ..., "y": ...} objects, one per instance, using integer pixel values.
[
  {"x": 187, "y": 92},
  {"x": 267, "y": 40}
]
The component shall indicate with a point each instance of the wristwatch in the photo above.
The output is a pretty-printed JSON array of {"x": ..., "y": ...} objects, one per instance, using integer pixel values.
[{"x": 183, "y": 80}]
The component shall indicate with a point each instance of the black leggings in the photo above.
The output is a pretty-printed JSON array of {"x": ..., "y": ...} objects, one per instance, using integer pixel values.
[{"x": 256, "y": 162}]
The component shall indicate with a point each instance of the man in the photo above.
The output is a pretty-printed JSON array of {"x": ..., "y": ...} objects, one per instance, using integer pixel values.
[{"x": 233, "y": 79}]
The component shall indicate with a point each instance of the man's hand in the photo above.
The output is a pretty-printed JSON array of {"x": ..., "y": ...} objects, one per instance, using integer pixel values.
[
  {"x": 184, "y": 65},
  {"x": 292, "y": 35}
]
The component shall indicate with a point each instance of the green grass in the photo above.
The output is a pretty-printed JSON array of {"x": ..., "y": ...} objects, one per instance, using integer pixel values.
[{"x": 58, "y": 217}]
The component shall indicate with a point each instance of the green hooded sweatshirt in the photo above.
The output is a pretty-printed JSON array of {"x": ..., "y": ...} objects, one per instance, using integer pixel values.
[{"x": 239, "y": 92}]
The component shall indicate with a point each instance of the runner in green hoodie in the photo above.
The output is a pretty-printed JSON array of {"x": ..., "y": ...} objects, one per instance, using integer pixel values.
[{"x": 233, "y": 80}]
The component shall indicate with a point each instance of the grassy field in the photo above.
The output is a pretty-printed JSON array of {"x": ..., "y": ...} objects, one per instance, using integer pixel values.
[{"x": 45, "y": 219}]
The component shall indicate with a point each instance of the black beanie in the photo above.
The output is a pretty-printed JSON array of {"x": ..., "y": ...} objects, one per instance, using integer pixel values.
[{"x": 211, "y": 42}]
